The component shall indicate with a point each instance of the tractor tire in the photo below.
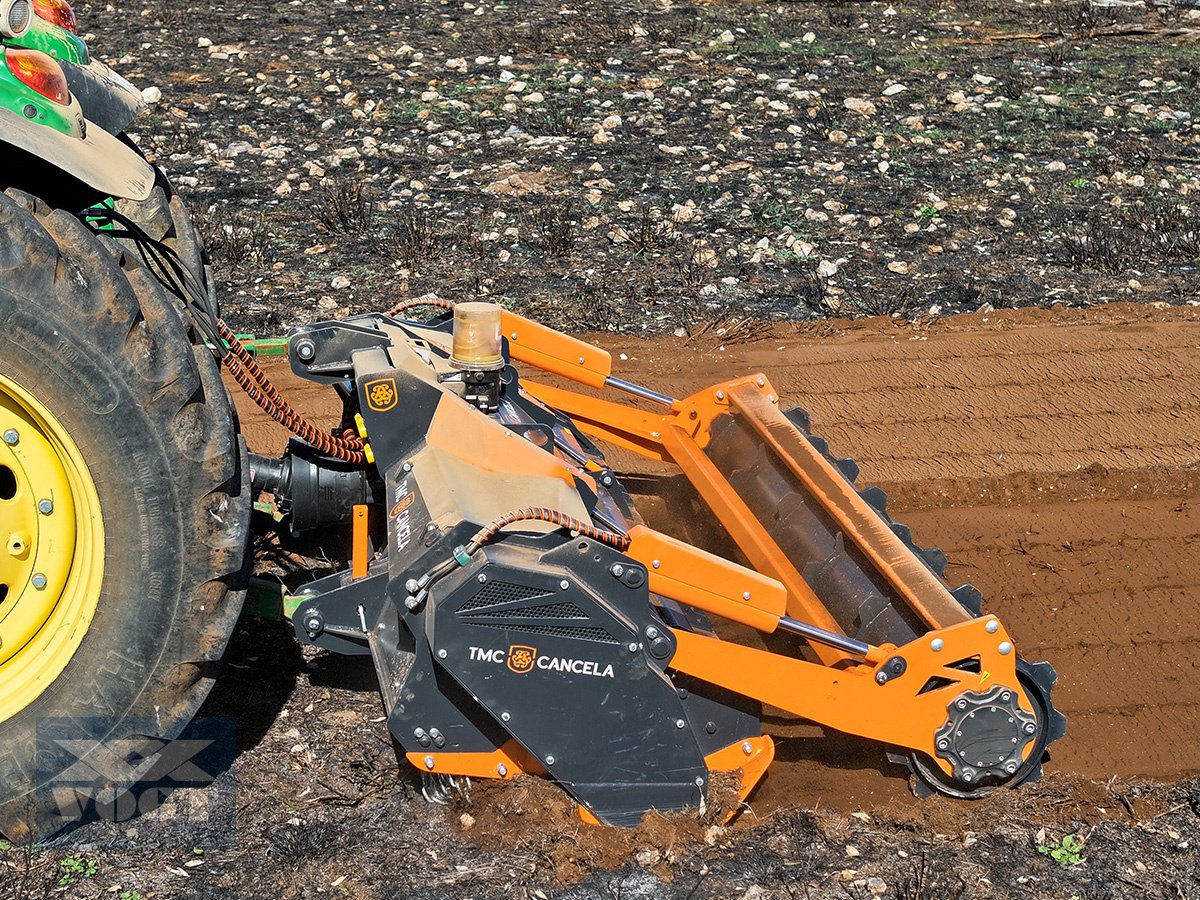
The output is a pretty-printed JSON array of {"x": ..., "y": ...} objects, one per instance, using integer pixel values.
[{"x": 124, "y": 507}]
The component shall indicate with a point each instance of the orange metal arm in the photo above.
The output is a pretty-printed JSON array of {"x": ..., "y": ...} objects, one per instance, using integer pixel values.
[
  {"x": 715, "y": 585},
  {"x": 627, "y": 427},
  {"x": 850, "y": 700},
  {"x": 553, "y": 351}
]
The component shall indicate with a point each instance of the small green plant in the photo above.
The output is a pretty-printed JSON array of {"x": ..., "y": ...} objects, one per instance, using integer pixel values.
[
  {"x": 77, "y": 868},
  {"x": 129, "y": 895},
  {"x": 928, "y": 211},
  {"x": 5, "y": 846},
  {"x": 1078, "y": 183},
  {"x": 1067, "y": 852}
]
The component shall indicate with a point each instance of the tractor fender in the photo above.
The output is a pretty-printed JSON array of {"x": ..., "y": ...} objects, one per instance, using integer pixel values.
[
  {"x": 107, "y": 99},
  {"x": 96, "y": 158}
]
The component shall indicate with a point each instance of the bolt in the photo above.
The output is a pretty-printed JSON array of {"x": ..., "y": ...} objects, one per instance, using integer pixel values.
[
  {"x": 504, "y": 717},
  {"x": 313, "y": 624},
  {"x": 442, "y": 654},
  {"x": 633, "y": 647},
  {"x": 651, "y": 632},
  {"x": 937, "y": 644},
  {"x": 700, "y": 781},
  {"x": 482, "y": 578},
  {"x": 1005, "y": 648},
  {"x": 45, "y": 507},
  {"x": 679, "y": 723},
  {"x": 1006, "y": 696},
  {"x": 550, "y": 760},
  {"x": 306, "y": 351},
  {"x": 411, "y": 602},
  {"x": 720, "y": 395},
  {"x": 745, "y": 595},
  {"x": 502, "y": 770},
  {"x": 961, "y": 704},
  {"x": 943, "y": 744},
  {"x": 429, "y": 762},
  {"x": 412, "y": 585},
  {"x": 710, "y": 727},
  {"x": 968, "y": 776},
  {"x": 762, "y": 382},
  {"x": 657, "y": 563},
  {"x": 617, "y": 570},
  {"x": 747, "y": 747},
  {"x": 881, "y": 678},
  {"x": 407, "y": 467},
  {"x": 992, "y": 626},
  {"x": 39, "y": 580},
  {"x": 12, "y": 437},
  {"x": 1011, "y": 768},
  {"x": 1030, "y": 728},
  {"x": 564, "y": 584},
  {"x": 513, "y": 336}
]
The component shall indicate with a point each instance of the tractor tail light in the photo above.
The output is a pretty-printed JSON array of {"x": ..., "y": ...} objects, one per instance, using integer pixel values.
[
  {"x": 57, "y": 12},
  {"x": 36, "y": 70}
]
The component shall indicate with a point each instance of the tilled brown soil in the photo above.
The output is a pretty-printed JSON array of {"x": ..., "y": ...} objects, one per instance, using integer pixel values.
[{"x": 1051, "y": 455}]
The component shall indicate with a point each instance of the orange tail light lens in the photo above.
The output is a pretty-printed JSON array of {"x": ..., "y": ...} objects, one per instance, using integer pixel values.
[
  {"x": 36, "y": 70},
  {"x": 57, "y": 12}
]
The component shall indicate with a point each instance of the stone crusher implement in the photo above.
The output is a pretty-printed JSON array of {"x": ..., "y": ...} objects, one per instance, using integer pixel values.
[{"x": 522, "y": 619}]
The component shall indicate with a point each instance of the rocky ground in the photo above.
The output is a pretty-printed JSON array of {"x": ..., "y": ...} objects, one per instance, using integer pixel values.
[{"x": 649, "y": 166}]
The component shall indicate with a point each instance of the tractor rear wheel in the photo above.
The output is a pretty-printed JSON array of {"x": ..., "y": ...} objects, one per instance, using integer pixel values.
[{"x": 124, "y": 513}]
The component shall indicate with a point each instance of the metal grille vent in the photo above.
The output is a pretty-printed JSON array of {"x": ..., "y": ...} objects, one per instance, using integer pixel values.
[
  {"x": 494, "y": 593},
  {"x": 598, "y": 635},
  {"x": 549, "y": 611}
]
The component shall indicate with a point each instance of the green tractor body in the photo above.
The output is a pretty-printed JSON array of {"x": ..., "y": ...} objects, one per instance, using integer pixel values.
[{"x": 61, "y": 106}]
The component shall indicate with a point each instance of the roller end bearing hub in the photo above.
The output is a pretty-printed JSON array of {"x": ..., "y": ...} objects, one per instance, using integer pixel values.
[
  {"x": 985, "y": 735},
  {"x": 51, "y": 548}
]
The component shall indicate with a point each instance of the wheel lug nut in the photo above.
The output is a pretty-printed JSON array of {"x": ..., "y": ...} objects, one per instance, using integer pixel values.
[
  {"x": 38, "y": 580},
  {"x": 45, "y": 507},
  {"x": 12, "y": 437}
]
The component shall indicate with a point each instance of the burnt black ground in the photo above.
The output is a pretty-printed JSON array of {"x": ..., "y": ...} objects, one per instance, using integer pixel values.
[{"x": 648, "y": 166}]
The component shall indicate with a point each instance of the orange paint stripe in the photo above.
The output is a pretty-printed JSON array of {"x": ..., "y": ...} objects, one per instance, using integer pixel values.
[{"x": 361, "y": 550}]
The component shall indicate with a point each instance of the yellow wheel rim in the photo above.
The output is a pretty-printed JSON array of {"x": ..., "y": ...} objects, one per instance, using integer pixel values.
[{"x": 51, "y": 548}]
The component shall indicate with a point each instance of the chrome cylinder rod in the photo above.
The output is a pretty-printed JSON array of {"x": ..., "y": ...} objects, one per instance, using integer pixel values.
[
  {"x": 821, "y": 636},
  {"x": 638, "y": 391}
]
